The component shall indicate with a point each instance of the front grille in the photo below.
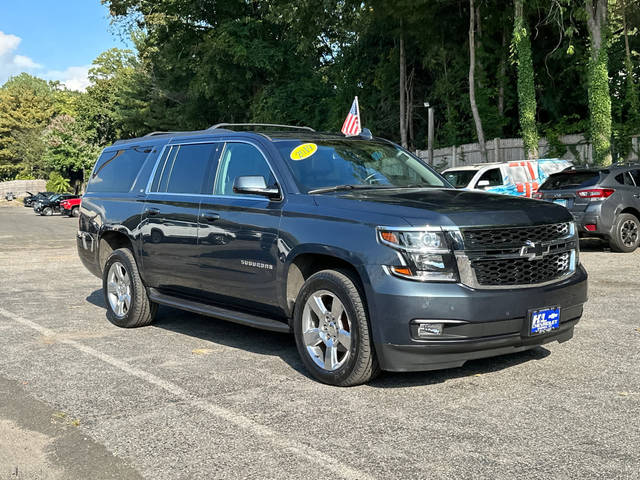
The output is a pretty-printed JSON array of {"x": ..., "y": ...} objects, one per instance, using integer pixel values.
[
  {"x": 521, "y": 271},
  {"x": 496, "y": 238}
]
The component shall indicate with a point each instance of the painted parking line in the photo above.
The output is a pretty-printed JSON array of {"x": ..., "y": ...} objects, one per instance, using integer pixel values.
[{"x": 279, "y": 441}]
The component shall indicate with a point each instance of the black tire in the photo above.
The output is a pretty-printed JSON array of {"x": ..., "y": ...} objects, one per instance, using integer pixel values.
[
  {"x": 625, "y": 237},
  {"x": 75, "y": 212},
  {"x": 361, "y": 364},
  {"x": 141, "y": 311},
  {"x": 47, "y": 211}
]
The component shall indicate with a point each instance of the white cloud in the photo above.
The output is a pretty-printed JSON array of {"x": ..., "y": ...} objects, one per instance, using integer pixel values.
[
  {"x": 74, "y": 78},
  {"x": 10, "y": 62}
]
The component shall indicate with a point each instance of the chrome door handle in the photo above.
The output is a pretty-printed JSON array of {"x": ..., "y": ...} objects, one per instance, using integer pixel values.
[{"x": 210, "y": 216}]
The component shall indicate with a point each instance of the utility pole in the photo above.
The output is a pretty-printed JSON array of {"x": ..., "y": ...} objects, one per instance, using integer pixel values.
[{"x": 430, "y": 128}]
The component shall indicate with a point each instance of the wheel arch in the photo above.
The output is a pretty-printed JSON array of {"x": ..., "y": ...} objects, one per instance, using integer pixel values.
[
  {"x": 305, "y": 264},
  {"x": 111, "y": 240}
]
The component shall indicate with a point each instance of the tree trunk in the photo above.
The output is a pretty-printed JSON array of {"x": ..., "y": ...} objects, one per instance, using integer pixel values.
[
  {"x": 502, "y": 73},
  {"x": 526, "y": 85},
  {"x": 403, "y": 92},
  {"x": 409, "y": 97},
  {"x": 599, "y": 98},
  {"x": 472, "y": 87},
  {"x": 632, "y": 100}
]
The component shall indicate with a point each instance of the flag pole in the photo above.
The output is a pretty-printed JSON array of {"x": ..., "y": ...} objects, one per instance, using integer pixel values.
[{"x": 358, "y": 111}]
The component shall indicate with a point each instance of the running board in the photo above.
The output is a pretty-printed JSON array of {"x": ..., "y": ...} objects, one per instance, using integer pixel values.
[{"x": 219, "y": 312}]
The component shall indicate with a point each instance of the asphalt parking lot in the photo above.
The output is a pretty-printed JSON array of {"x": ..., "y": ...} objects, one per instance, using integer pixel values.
[{"x": 195, "y": 397}]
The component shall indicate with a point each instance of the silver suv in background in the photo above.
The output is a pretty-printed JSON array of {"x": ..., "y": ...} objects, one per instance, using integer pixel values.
[{"x": 604, "y": 202}]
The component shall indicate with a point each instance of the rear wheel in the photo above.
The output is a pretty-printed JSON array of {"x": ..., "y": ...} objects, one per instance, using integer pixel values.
[
  {"x": 125, "y": 295},
  {"x": 332, "y": 331},
  {"x": 46, "y": 211},
  {"x": 626, "y": 233},
  {"x": 75, "y": 212}
]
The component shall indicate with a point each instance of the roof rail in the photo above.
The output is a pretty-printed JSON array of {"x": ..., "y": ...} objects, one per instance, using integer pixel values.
[
  {"x": 153, "y": 134},
  {"x": 223, "y": 125}
]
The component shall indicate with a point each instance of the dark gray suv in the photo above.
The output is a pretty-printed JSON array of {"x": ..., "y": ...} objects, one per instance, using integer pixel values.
[
  {"x": 357, "y": 247},
  {"x": 604, "y": 202}
]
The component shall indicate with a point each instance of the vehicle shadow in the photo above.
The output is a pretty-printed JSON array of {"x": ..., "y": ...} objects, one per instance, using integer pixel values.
[
  {"x": 281, "y": 345},
  {"x": 594, "y": 245}
]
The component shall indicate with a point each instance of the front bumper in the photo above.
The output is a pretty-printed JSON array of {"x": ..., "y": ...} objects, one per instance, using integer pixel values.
[{"x": 489, "y": 322}]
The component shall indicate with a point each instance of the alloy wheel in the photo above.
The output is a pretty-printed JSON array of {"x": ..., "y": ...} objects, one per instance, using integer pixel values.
[
  {"x": 119, "y": 289},
  {"x": 326, "y": 328},
  {"x": 629, "y": 233}
]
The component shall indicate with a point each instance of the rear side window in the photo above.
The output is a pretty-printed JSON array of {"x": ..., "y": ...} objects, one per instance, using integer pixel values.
[
  {"x": 636, "y": 176},
  {"x": 570, "y": 180},
  {"x": 625, "y": 179},
  {"x": 184, "y": 168},
  {"x": 116, "y": 170}
]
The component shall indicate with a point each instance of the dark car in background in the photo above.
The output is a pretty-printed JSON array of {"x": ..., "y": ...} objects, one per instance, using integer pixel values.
[
  {"x": 50, "y": 205},
  {"x": 30, "y": 199},
  {"x": 605, "y": 202}
]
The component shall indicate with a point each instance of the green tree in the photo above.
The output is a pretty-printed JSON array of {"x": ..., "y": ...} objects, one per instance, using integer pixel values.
[
  {"x": 521, "y": 45},
  {"x": 599, "y": 99},
  {"x": 26, "y": 105},
  {"x": 67, "y": 149}
]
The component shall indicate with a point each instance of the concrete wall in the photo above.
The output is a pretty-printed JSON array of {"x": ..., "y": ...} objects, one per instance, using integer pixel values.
[{"x": 21, "y": 187}]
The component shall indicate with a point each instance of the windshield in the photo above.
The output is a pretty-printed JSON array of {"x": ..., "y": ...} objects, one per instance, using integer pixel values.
[
  {"x": 459, "y": 178},
  {"x": 329, "y": 163},
  {"x": 562, "y": 180}
]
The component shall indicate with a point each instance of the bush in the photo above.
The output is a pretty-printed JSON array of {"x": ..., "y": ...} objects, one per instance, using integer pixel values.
[{"x": 57, "y": 183}]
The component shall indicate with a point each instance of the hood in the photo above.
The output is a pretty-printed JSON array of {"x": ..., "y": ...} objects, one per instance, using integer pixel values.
[{"x": 450, "y": 207}]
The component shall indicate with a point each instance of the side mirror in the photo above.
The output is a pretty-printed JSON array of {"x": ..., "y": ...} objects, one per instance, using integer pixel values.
[
  {"x": 254, "y": 185},
  {"x": 483, "y": 184}
]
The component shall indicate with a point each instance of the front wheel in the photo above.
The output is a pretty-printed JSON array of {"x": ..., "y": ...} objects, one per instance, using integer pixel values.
[
  {"x": 75, "y": 212},
  {"x": 332, "y": 331},
  {"x": 46, "y": 211},
  {"x": 626, "y": 234},
  {"x": 125, "y": 295}
]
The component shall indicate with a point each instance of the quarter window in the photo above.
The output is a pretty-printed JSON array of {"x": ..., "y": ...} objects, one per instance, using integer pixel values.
[
  {"x": 116, "y": 170},
  {"x": 184, "y": 168},
  {"x": 636, "y": 176},
  {"x": 625, "y": 179},
  {"x": 238, "y": 160}
]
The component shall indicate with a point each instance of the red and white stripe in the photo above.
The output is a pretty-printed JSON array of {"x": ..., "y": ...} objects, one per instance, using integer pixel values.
[{"x": 351, "y": 125}]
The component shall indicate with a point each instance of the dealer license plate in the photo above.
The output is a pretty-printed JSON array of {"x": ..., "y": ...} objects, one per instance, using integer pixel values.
[
  {"x": 544, "y": 320},
  {"x": 561, "y": 201}
]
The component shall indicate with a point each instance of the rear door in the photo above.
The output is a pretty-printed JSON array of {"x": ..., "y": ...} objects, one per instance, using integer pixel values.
[
  {"x": 169, "y": 224},
  {"x": 635, "y": 175},
  {"x": 238, "y": 233}
]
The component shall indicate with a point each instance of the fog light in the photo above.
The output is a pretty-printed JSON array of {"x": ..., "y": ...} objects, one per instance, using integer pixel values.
[
  {"x": 429, "y": 329},
  {"x": 591, "y": 227}
]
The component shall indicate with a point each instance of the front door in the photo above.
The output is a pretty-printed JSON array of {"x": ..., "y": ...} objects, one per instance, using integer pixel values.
[
  {"x": 238, "y": 234},
  {"x": 169, "y": 226}
]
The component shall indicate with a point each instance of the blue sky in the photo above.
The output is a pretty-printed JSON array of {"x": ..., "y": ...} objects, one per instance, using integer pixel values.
[{"x": 54, "y": 39}]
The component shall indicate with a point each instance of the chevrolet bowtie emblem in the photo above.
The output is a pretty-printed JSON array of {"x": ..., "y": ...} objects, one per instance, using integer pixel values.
[{"x": 534, "y": 251}]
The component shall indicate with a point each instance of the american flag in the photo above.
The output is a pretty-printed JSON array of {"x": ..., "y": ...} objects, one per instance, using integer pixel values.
[{"x": 351, "y": 125}]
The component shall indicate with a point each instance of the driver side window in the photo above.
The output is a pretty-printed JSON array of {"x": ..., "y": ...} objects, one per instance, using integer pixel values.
[
  {"x": 493, "y": 176},
  {"x": 239, "y": 160}
]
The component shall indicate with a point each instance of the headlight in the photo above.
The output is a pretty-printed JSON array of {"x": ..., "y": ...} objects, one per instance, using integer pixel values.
[{"x": 426, "y": 253}]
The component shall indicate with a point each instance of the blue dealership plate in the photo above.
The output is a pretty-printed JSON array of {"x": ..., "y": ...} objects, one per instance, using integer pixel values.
[{"x": 544, "y": 320}]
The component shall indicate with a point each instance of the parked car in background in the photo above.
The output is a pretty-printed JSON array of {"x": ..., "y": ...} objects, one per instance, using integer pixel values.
[
  {"x": 9, "y": 196},
  {"x": 520, "y": 178},
  {"x": 70, "y": 207},
  {"x": 31, "y": 199},
  {"x": 51, "y": 205},
  {"x": 367, "y": 255},
  {"x": 605, "y": 202}
]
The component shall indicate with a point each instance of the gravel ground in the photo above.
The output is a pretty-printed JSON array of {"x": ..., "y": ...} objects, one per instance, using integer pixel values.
[{"x": 195, "y": 397}]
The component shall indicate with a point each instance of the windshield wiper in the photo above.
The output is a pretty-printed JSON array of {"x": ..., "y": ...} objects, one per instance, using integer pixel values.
[{"x": 338, "y": 188}]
